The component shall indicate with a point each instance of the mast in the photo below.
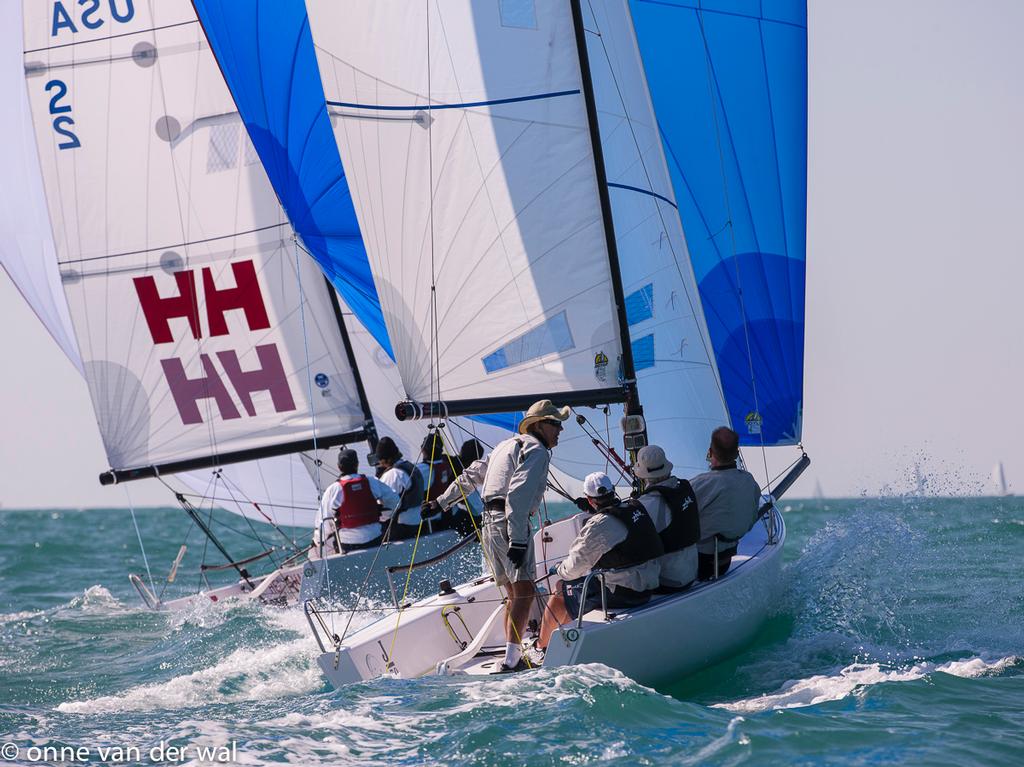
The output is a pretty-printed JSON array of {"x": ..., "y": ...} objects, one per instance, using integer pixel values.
[
  {"x": 364, "y": 403},
  {"x": 636, "y": 435}
]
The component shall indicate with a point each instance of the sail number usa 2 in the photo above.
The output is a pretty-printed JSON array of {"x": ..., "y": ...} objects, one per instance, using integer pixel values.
[{"x": 62, "y": 121}]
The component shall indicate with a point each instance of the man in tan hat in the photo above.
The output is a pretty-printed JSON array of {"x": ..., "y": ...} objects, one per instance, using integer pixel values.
[
  {"x": 672, "y": 505},
  {"x": 514, "y": 478}
]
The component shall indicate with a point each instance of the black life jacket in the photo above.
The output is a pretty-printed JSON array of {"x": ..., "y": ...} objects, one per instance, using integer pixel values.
[
  {"x": 413, "y": 495},
  {"x": 684, "y": 528},
  {"x": 642, "y": 542}
]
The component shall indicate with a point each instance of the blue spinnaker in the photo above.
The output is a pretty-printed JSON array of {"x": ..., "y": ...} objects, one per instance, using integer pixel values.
[
  {"x": 728, "y": 79},
  {"x": 265, "y": 51}
]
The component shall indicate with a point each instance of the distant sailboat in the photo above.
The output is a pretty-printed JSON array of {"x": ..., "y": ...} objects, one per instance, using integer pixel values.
[{"x": 999, "y": 480}]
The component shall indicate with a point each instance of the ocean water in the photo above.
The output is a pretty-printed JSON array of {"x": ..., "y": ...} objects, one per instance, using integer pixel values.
[{"x": 899, "y": 640}]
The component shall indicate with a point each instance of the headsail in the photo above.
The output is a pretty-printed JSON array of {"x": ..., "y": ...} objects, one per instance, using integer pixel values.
[
  {"x": 675, "y": 367},
  {"x": 206, "y": 337},
  {"x": 26, "y": 243},
  {"x": 465, "y": 136},
  {"x": 729, "y": 85}
]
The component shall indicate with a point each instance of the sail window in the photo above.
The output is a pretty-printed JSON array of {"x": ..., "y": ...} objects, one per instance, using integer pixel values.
[
  {"x": 640, "y": 304},
  {"x": 520, "y": 14},
  {"x": 643, "y": 352},
  {"x": 223, "y": 150},
  {"x": 548, "y": 338}
]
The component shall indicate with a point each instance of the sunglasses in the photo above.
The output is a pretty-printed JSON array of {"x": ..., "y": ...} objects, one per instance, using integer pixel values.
[{"x": 557, "y": 424}]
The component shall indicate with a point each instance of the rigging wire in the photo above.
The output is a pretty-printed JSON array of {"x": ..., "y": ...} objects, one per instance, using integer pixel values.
[{"x": 145, "y": 559}]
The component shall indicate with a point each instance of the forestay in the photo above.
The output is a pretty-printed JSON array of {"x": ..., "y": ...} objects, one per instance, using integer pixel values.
[
  {"x": 729, "y": 84},
  {"x": 463, "y": 130},
  {"x": 203, "y": 333}
]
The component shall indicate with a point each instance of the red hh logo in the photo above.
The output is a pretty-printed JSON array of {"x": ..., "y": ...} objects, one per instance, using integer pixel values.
[{"x": 245, "y": 296}]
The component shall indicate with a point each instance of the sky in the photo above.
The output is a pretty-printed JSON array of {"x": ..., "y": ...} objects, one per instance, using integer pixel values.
[{"x": 914, "y": 272}]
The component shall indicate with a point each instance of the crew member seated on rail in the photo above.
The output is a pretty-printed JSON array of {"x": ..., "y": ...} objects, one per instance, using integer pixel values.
[
  {"x": 672, "y": 506},
  {"x": 406, "y": 481},
  {"x": 618, "y": 535},
  {"x": 727, "y": 500},
  {"x": 451, "y": 503},
  {"x": 436, "y": 468},
  {"x": 350, "y": 509}
]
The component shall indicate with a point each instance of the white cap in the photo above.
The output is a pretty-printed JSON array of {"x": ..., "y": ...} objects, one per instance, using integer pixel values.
[
  {"x": 651, "y": 463},
  {"x": 597, "y": 485}
]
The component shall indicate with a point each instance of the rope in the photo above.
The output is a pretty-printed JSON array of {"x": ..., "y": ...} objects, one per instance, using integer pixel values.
[{"x": 145, "y": 559}]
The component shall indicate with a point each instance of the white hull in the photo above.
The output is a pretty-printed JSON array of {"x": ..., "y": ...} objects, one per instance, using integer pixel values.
[{"x": 669, "y": 637}]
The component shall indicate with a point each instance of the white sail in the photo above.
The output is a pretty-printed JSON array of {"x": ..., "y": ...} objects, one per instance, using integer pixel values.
[
  {"x": 464, "y": 135},
  {"x": 999, "y": 480},
  {"x": 201, "y": 330},
  {"x": 26, "y": 244},
  {"x": 672, "y": 357}
]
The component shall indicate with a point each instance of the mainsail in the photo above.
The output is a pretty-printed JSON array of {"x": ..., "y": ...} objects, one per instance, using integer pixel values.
[
  {"x": 729, "y": 85},
  {"x": 206, "y": 336},
  {"x": 468, "y": 147}
]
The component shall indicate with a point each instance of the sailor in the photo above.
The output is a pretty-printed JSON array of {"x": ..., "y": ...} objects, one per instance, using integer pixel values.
[
  {"x": 618, "y": 535},
  {"x": 435, "y": 466},
  {"x": 672, "y": 506},
  {"x": 727, "y": 499},
  {"x": 512, "y": 481},
  {"x": 406, "y": 481},
  {"x": 350, "y": 509},
  {"x": 451, "y": 503}
]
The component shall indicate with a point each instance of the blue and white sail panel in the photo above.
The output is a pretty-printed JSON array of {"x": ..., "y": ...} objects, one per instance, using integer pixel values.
[
  {"x": 266, "y": 54},
  {"x": 463, "y": 130},
  {"x": 728, "y": 79},
  {"x": 675, "y": 368},
  {"x": 201, "y": 331}
]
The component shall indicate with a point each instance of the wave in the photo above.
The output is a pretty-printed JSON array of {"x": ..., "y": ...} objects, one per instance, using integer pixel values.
[
  {"x": 247, "y": 674},
  {"x": 853, "y": 679}
]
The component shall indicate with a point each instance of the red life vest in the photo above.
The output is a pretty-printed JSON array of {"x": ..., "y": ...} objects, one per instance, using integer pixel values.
[
  {"x": 440, "y": 477},
  {"x": 358, "y": 506}
]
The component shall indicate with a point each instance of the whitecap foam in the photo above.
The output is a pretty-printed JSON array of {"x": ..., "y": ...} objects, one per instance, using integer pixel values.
[
  {"x": 96, "y": 598},
  {"x": 22, "y": 616},
  {"x": 278, "y": 671},
  {"x": 855, "y": 678}
]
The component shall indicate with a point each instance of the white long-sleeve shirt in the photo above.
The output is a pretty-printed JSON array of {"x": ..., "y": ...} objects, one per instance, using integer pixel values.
[
  {"x": 398, "y": 481},
  {"x": 600, "y": 534},
  {"x": 516, "y": 471},
  {"x": 331, "y": 501}
]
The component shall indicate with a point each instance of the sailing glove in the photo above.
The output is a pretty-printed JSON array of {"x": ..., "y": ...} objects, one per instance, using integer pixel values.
[
  {"x": 429, "y": 509},
  {"x": 582, "y": 504},
  {"x": 517, "y": 554}
]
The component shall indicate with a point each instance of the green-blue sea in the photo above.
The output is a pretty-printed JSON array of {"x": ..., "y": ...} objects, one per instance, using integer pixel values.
[{"x": 899, "y": 640}]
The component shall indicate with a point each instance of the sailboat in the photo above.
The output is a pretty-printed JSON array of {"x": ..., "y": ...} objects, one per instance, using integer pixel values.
[
  {"x": 523, "y": 174},
  {"x": 215, "y": 351},
  {"x": 999, "y": 480}
]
